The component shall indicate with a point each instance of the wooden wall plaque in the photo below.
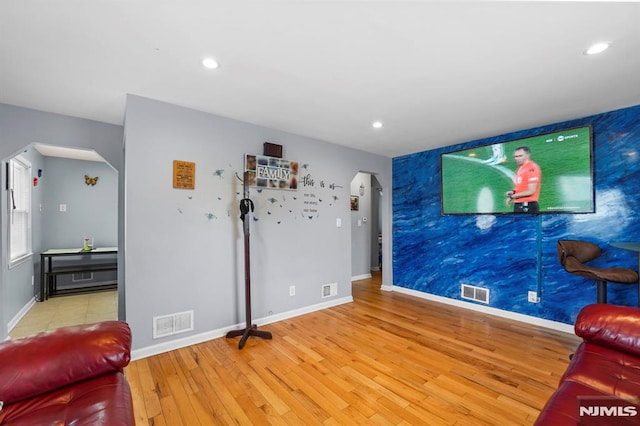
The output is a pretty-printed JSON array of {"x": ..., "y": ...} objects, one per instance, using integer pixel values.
[
  {"x": 184, "y": 174},
  {"x": 272, "y": 150}
]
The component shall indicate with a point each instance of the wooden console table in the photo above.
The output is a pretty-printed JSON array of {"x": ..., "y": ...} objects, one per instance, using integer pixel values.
[{"x": 49, "y": 270}]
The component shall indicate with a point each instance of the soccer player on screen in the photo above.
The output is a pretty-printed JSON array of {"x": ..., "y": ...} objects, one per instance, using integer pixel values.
[
  {"x": 527, "y": 180},
  {"x": 497, "y": 155}
]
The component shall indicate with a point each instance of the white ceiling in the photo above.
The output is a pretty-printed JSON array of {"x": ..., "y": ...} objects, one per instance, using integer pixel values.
[
  {"x": 64, "y": 152},
  {"x": 436, "y": 73}
]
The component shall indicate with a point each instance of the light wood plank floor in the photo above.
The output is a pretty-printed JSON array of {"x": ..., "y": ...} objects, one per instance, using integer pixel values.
[{"x": 386, "y": 359}]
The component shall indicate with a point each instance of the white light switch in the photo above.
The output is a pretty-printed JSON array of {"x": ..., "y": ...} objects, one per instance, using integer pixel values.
[
  {"x": 338, "y": 223},
  {"x": 359, "y": 222},
  {"x": 63, "y": 207}
]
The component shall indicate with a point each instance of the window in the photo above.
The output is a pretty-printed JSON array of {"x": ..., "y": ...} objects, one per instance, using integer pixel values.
[{"x": 19, "y": 203}]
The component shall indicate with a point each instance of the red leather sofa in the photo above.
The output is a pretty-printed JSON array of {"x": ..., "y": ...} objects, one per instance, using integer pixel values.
[
  {"x": 72, "y": 375},
  {"x": 601, "y": 385}
]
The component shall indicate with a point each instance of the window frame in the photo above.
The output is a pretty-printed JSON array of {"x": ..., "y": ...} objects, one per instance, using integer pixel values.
[{"x": 19, "y": 178}]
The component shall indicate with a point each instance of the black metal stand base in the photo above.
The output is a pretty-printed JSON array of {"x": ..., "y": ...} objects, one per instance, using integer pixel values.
[{"x": 252, "y": 331}]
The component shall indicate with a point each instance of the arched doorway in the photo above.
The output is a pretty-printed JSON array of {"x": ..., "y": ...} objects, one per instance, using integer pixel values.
[
  {"x": 60, "y": 210},
  {"x": 366, "y": 225}
]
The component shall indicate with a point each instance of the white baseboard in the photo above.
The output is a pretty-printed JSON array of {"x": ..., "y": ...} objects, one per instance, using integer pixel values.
[
  {"x": 361, "y": 277},
  {"x": 21, "y": 313},
  {"x": 554, "y": 325},
  {"x": 221, "y": 332}
]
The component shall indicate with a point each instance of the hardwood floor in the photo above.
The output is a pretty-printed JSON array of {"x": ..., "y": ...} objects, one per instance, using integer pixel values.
[{"x": 386, "y": 359}]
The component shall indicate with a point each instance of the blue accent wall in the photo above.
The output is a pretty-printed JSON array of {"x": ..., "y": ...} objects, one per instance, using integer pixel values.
[{"x": 513, "y": 254}]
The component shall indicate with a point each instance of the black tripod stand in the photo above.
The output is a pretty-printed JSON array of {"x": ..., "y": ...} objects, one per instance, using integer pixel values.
[{"x": 246, "y": 207}]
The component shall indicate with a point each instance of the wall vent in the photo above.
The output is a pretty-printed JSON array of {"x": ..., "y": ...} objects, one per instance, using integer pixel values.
[
  {"x": 329, "y": 290},
  {"x": 168, "y": 325},
  {"x": 478, "y": 294},
  {"x": 81, "y": 276}
]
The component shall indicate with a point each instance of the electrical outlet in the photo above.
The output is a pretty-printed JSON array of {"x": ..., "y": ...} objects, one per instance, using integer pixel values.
[
  {"x": 533, "y": 297},
  {"x": 292, "y": 290}
]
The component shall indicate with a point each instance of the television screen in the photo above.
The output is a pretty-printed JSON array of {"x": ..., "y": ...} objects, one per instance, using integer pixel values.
[{"x": 550, "y": 173}]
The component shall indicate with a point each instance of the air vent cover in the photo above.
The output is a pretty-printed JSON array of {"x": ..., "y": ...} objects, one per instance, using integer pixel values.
[
  {"x": 478, "y": 294},
  {"x": 329, "y": 290},
  {"x": 168, "y": 325}
]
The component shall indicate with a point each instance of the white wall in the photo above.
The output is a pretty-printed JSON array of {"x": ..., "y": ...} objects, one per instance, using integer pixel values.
[{"x": 184, "y": 248}]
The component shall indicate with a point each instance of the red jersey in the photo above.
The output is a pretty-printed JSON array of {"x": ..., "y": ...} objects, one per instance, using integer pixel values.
[{"x": 528, "y": 173}]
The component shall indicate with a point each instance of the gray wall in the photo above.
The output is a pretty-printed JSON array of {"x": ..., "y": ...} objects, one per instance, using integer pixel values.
[
  {"x": 91, "y": 211},
  {"x": 376, "y": 223},
  {"x": 19, "y": 287},
  {"x": 184, "y": 248},
  {"x": 304, "y": 246},
  {"x": 361, "y": 227},
  {"x": 20, "y": 128}
]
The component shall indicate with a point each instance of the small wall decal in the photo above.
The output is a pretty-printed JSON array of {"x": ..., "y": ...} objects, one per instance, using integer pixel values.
[{"x": 90, "y": 181}]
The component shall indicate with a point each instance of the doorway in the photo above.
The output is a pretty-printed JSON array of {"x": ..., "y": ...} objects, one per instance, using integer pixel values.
[
  {"x": 64, "y": 210},
  {"x": 366, "y": 226}
]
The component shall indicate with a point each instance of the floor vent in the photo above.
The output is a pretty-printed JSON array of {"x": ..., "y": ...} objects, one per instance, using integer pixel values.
[
  {"x": 329, "y": 290},
  {"x": 474, "y": 293},
  {"x": 168, "y": 325}
]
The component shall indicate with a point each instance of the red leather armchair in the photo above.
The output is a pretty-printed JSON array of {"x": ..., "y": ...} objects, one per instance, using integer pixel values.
[
  {"x": 72, "y": 375},
  {"x": 604, "y": 371}
]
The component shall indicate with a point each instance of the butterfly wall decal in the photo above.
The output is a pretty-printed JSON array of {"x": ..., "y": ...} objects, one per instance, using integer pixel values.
[{"x": 90, "y": 180}]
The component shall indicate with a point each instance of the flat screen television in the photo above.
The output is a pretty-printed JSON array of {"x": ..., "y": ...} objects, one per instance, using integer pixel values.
[{"x": 481, "y": 180}]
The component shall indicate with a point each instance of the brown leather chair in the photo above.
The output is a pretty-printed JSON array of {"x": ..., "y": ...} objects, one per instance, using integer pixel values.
[{"x": 573, "y": 255}]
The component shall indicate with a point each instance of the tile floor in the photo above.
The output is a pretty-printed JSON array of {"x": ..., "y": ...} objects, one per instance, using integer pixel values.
[{"x": 68, "y": 310}]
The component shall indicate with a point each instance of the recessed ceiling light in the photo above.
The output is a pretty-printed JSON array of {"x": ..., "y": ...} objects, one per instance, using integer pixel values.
[
  {"x": 377, "y": 124},
  {"x": 210, "y": 63},
  {"x": 594, "y": 49}
]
